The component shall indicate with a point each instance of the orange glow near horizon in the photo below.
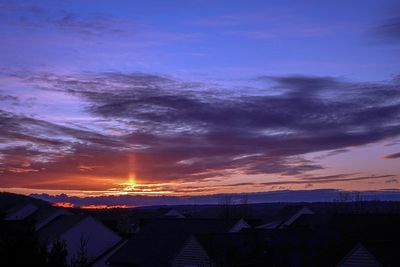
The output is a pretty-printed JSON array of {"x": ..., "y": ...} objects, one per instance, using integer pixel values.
[
  {"x": 63, "y": 204},
  {"x": 97, "y": 207},
  {"x": 91, "y": 207}
]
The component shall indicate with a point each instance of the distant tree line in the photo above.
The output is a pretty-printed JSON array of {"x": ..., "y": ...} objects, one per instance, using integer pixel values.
[{"x": 228, "y": 209}]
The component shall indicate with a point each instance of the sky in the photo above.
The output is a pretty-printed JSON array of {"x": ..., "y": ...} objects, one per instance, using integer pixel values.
[{"x": 198, "y": 97}]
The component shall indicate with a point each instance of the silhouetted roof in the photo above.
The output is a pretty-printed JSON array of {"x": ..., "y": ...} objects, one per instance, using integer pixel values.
[
  {"x": 149, "y": 214},
  {"x": 378, "y": 233},
  {"x": 386, "y": 252},
  {"x": 159, "y": 241},
  {"x": 335, "y": 237},
  {"x": 300, "y": 246},
  {"x": 312, "y": 220},
  {"x": 283, "y": 215},
  {"x": 149, "y": 250},
  {"x": 8, "y": 200},
  {"x": 45, "y": 212},
  {"x": 188, "y": 226},
  {"x": 19, "y": 206},
  {"x": 234, "y": 248},
  {"x": 58, "y": 226}
]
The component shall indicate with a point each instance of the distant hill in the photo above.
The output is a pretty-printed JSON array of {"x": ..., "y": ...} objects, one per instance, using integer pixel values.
[
  {"x": 8, "y": 200},
  {"x": 281, "y": 196}
]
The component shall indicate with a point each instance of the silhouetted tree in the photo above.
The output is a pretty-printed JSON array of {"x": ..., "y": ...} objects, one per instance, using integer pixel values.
[
  {"x": 226, "y": 207},
  {"x": 81, "y": 259},
  {"x": 244, "y": 200},
  {"x": 58, "y": 255},
  {"x": 123, "y": 225},
  {"x": 354, "y": 202}
]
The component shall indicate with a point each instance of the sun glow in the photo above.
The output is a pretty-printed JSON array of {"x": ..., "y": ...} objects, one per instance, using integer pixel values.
[{"x": 130, "y": 184}]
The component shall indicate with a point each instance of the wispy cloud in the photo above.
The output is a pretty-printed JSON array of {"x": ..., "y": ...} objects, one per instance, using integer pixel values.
[
  {"x": 389, "y": 30},
  {"x": 392, "y": 180},
  {"x": 92, "y": 25},
  {"x": 39, "y": 17},
  {"x": 220, "y": 21},
  {"x": 262, "y": 26},
  {"x": 393, "y": 156}
]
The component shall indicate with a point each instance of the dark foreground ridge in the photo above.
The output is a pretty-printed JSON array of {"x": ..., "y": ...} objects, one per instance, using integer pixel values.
[{"x": 348, "y": 232}]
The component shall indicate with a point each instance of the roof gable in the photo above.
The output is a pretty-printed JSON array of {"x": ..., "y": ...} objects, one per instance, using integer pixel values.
[
  {"x": 53, "y": 230},
  {"x": 359, "y": 256},
  {"x": 20, "y": 211},
  {"x": 45, "y": 215},
  {"x": 239, "y": 226},
  {"x": 159, "y": 241},
  {"x": 145, "y": 250}
]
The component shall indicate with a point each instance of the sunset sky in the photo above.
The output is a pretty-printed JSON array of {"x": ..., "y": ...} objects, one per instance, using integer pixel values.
[{"x": 198, "y": 97}]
